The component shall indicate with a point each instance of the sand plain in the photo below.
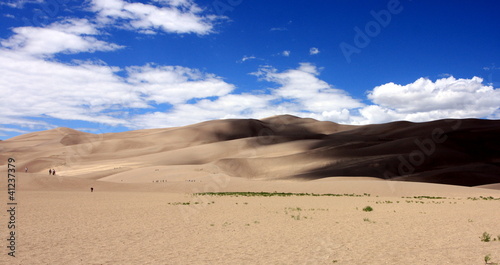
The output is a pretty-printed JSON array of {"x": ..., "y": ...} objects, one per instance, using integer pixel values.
[{"x": 62, "y": 222}]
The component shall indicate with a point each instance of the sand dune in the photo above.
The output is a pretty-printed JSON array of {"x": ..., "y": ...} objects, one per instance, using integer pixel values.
[{"x": 459, "y": 152}]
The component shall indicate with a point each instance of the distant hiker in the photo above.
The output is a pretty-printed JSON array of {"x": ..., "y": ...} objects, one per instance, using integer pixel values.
[
  {"x": 26, "y": 169},
  {"x": 50, "y": 171},
  {"x": 91, "y": 189},
  {"x": 53, "y": 172}
]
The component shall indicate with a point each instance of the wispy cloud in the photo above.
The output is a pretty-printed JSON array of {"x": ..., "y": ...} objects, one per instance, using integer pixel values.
[
  {"x": 278, "y": 29},
  {"x": 246, "y": 58},
  {"x": 19, "y": 3},
  {"x": 286, "y": 53}
]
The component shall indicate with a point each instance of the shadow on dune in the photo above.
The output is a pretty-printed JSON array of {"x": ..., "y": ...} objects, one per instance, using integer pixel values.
[{"x": 459, "y": 152}]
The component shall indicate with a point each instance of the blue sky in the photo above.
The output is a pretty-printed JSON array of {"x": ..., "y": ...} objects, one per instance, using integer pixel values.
[{"x": 116, "y": 65}]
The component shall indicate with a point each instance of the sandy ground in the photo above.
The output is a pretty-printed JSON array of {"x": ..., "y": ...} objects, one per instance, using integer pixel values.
[{"x": 61, "y": 222}]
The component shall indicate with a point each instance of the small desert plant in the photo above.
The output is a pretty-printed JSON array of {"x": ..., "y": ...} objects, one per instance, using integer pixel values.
[
  {"x": 487, "y": 259},
  {"x": 368, "y": 209},
  {"x": 485, "y": 237}
]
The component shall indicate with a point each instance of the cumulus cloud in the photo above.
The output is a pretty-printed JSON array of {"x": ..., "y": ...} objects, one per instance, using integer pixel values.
[
  {"x": 286, "y": 53},
  {"x": 49, "y": 89},
  {"x": 225, "y": 107},
  {"x": 172, "y": 16},
  {"x": 93, "y": 91},
  {"x": 175, "y": 84},
  {"x": 314, "y": 51},
  {"x": 99, "y": 93},
  {"x": 301, "y": 92},
  {"x": 69, "y": 36},
  {"x": 425, "y": 100},
  {"x": 310, "y": 93},
  {"x": 298, "y": 92}
]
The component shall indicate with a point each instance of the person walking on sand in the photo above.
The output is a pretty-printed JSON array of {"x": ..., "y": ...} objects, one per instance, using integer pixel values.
[
  {"x": 91, "y": 189},
  {"x": 26, "y": 169},
  {"x": 53, "y": 172},
  {"x": 50, "y": 171}
]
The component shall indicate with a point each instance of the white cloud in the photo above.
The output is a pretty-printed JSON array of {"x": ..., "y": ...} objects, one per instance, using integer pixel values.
[
  {"x": 300, "y": 92},
  {"x": 96, "y": 92},
  {"x": 175, "y": 84},
  {"x": 246, "y": 58},
  {"x": 424, "y": 100},
  {"x": 19, "y": 3},
  {"x": 310, "y": 93},
  {"x": 278, "y": 29},
  {"x": 225, "y": 107},
  {"x": 173, "y": 16},
  {"x": 4, "y": 129},
  {"x": 314, "y": 51},
  {"x": 93, "y": 91},
  {"x": 69, "y": 36}
]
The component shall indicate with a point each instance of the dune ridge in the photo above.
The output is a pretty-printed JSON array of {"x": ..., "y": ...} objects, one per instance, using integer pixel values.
[{"x": 458, "y": 152}]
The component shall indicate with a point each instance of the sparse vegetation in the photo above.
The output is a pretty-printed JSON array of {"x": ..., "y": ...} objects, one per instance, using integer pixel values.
[
  {"x": 368, "y": 220},
  {"x": 483, "y": 198},
  {"x": 487, "y": 260},
  {"x": 299, "y": 210},
  {"x": 428, "y": 197},
  {"x": 296, "y": 217},
  {"x": 382, "y": 202},
  {"x": 368, "y": 209},
  {"x": 279, "y": 194},
  {"x": 485, "y": 237},
  {"x": 181, "y": 203}
]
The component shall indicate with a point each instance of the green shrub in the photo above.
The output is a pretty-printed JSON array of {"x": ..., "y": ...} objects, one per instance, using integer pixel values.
[
  {"x": 368, "y": 209},
  {"x": 485, "y": 237}
]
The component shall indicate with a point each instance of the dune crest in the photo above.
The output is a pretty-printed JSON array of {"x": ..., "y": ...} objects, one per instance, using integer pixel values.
[{"x": 459, "y": 152}]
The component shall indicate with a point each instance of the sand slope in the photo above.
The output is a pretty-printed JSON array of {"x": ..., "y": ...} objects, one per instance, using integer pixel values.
[{"x": 460, "y": 152}]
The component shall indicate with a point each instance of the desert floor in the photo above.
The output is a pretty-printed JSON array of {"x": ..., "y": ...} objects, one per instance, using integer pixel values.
[{"x": 59, "y": 221}]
